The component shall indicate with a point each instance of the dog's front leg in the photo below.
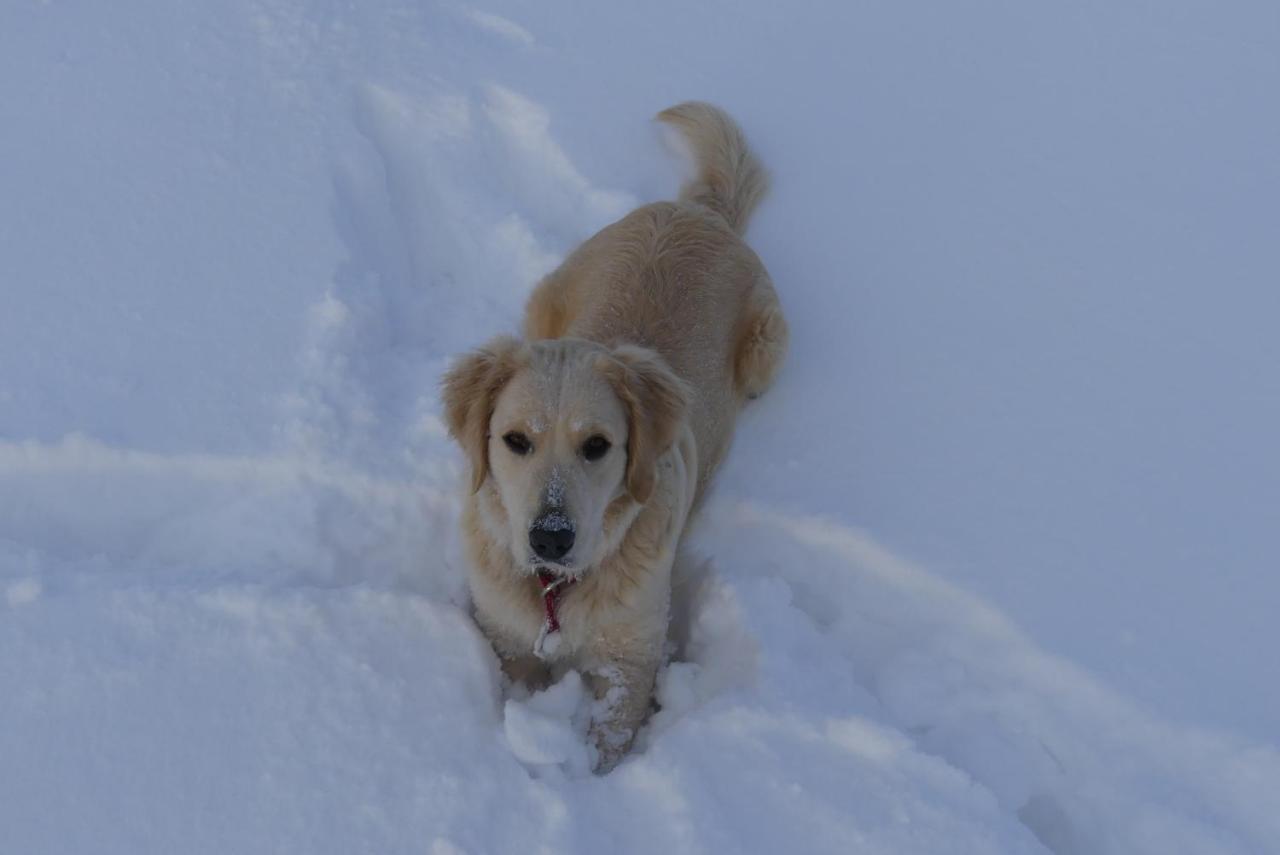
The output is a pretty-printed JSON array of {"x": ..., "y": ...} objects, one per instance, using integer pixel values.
[
  {"x": 528, "y": 670},
  {"x": 623, "y": 690}
]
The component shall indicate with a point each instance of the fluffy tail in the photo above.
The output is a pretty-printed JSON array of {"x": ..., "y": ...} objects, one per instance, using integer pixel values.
[{"x": 729, "y": 181}]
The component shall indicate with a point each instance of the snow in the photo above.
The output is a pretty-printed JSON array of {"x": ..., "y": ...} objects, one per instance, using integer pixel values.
[
  {"x": 550, "y": 727},
  {"x": 990, "y": 570}
]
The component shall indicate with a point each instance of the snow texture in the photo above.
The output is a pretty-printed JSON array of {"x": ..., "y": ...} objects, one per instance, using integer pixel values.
[
  {"x": 554, "y": 521},
  {"x": 1028, "y": 254}
]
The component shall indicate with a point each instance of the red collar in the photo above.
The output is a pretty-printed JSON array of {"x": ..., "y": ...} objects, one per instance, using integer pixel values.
[{"x": 552, "y": 586}]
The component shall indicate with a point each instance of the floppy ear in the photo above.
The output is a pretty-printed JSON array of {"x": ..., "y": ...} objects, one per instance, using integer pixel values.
[
  {"x": 656, "y": 401},
  {"x": 470, "y": 389}
]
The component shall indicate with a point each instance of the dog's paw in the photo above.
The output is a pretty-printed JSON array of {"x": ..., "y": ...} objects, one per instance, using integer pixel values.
[{"x": 610, "y": 746}]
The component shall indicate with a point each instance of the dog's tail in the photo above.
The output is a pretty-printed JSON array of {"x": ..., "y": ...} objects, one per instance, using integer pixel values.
[{"x": 729, "y": 179}]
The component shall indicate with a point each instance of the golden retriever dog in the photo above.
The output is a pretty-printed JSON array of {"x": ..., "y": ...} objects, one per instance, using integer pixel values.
[{"x": 591, "y": 439}]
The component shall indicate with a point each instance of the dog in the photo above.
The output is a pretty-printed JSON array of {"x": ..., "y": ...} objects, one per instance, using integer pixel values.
[{"x": 592, "y": 439}]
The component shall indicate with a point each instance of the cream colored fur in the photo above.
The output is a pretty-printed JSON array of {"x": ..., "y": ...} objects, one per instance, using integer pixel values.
[{"x": 650, "y": 337}]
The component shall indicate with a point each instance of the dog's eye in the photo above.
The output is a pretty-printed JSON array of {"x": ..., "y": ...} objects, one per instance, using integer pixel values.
[
  {"x": 595, "y": 447},
  {"x": 517, "y": 442}
]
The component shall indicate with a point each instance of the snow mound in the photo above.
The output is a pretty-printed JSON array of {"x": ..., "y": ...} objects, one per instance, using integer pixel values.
[{"x": 549, "y": 728}]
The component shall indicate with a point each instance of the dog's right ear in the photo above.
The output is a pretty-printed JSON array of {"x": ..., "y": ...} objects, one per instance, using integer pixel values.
[{"x": 471, "y": 388}]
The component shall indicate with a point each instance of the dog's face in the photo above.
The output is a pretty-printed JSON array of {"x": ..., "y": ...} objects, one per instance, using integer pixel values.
[{"x": 566, "y": 434}]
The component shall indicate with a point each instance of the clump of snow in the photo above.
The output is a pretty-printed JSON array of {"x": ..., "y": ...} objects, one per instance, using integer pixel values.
[
  {"x": 549, "y": 728},
  {"x": 22, "y": 592}
]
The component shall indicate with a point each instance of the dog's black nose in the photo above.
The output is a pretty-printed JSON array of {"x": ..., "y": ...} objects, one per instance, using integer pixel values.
[{"x": 551, "y": 544}]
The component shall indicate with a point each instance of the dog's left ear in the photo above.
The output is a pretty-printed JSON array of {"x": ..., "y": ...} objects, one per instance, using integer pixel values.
[
  {"x": 471, "y": 388},
  {"x": 656, "y": 401}
]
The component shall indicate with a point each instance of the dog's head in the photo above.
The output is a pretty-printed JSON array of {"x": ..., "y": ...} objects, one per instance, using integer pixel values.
[{"x": 566, "y": 434}]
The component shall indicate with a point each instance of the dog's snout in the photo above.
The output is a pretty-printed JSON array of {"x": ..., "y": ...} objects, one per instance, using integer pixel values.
[{"x": 551, "y": 537}]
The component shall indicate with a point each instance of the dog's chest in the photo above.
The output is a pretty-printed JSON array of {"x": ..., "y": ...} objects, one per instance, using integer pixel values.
[{"x": 625, "y": 598}]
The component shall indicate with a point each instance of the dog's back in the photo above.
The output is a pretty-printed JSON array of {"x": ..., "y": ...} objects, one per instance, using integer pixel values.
[{"x": 678, "y": 278}]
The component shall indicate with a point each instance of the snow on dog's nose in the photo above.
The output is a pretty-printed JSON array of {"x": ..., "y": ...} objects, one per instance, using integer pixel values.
[{"x": 551, "y": 536}]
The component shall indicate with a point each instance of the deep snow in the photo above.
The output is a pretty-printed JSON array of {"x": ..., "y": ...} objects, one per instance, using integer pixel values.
[{"x": 1028, "y": 255}]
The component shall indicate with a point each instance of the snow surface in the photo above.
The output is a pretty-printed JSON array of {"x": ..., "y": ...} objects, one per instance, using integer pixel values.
[{"x": 1029, "y": 257}]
